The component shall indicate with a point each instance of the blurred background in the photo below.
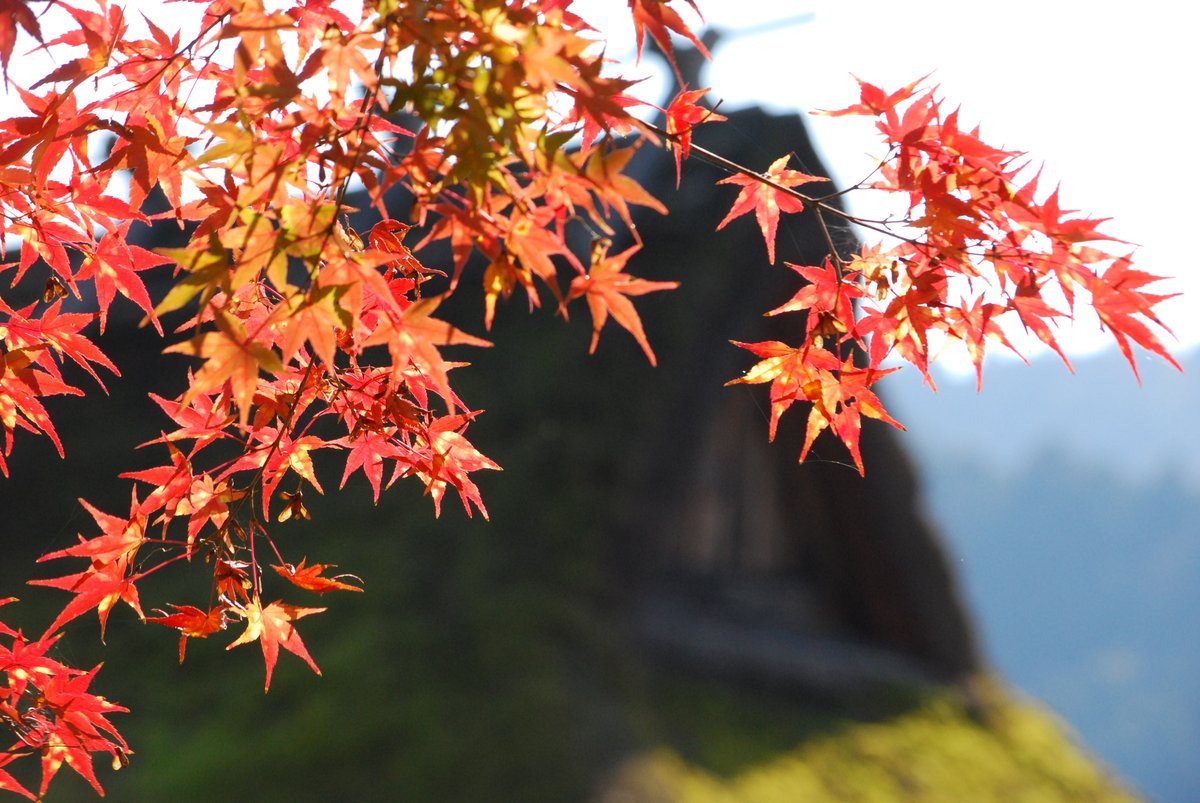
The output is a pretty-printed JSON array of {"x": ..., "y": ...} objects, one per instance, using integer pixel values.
[
  {"x": 1070, "y": 504},
  {"x": 663, "y": 607}
]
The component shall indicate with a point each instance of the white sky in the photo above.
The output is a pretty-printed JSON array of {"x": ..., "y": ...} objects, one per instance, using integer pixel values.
[{"x": 1103, "y": 94}]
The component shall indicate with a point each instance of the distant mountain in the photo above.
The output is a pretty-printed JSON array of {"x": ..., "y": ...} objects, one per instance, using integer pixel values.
[
  {"x": 1072, "y": 505},
  {"x": 1098, "y": 415}
]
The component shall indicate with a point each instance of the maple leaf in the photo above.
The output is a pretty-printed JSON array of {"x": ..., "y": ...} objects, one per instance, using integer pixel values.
[
  {"x": 7, "y": 782},
  {"x": 904, "y": 325},
  {"x": 191, "y": 622},
  {"x": 149, "y": 146},
  {"x": 309, "y": 577},
  {"x": 607, "y": 288},
  {"x": 1117, "y": 300},
  {"x": 388, "y": 235},
  {"x": 272, "y": 628},
  {"x": 784, "y": 366},
  {"x": 1037, "y": 315},
  {"x": 315, "y": 317},
  {"x": 974, "y": 325},
  {"x": 120, "y": 537},
  {"x": 115, "y": 264},
  {"x": 451, "y": 458},
  {"x": 875, "y": 101},
  {"x": 203, "y": 419},
  {"x": 46, "y": 239},
  {"x": 827, "y": 298},
  {"x": 839, "y": 399},
  {"x": 26, "y": 661},
  {"x": 658, "y": 18},
  {"x": 171, "y": 484},
  {"x": 412, "y": 340},
  {"x": 14, "y": 13},
  {"x": 532, "y": 242},
  {"x": 683, "y": 114},
  {"x": 100, "y": 586},
  {"x": 80, "y": 728},
  {"x": 603, "y": 113},
  {"x": 838, "y": 390},
  {"x": 617, "y": 190},
  {"x": 762, "y": 194},
  {"x": 230, "y": 355},
  {"x": 275, "y": 455},
  {"x": 61, "y": 332},
  {"x": 20, "y": 387},
  {"x": 367, "y": 451},
  {"x": 500, "y": 279}
]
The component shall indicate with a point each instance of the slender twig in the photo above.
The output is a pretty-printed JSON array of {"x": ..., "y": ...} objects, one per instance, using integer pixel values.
[
  {"x": 818, "y": 204},
  {"x": 833, "y": 251}
]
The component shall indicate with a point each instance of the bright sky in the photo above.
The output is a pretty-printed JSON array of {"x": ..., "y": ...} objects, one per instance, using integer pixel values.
[{"x": 1103, "y": 95}]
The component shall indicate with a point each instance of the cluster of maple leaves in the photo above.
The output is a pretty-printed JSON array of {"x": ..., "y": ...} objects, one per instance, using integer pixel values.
[
  {"x": 312, "y": 340},
  {"x": 975, "y": 248}
]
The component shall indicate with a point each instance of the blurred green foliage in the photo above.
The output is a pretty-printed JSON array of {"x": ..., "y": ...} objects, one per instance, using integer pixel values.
[{"x": 935, "y": 752}]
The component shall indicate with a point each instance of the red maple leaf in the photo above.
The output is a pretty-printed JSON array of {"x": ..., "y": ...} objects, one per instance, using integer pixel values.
[
  {"x": 61, "y": 331},
  {"x": 827, "y": 298},
  {"x": 15, "y": 13},
  {"x": 766, "y": 199},
  {"x": 838, "y": 390},
  {"x": 99, "y": 586},
  {"x": 7, "y": 782},
  {"x": 657, "y": 18},
  {"x": 275, "y": 455},
  {"x": 230, "y": 356},
  {"x": 120, "y": 537},
  {"x": 784, "y": 366},
  {"x": 388, "y": 235},
  {"x": 80, "y": 728},
  {"x": 839, "y": 400},
  {"x": 367, "y": 451},
  {"x": 1119, "y": 301},
  {"x": 683, "y": 114},
  {"x": 191, "y": 622},
  {"x": 115, "y": 265},
  {"x": 874, "y": 100}
]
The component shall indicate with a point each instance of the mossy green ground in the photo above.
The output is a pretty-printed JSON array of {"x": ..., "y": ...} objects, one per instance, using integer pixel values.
[{"x": 937, "y": 750}]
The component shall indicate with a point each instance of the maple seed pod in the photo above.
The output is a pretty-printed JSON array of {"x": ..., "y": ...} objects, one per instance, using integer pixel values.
[
  {"x": 54, "y": 290},
  {"x": 828, "y": 325},
  {"x": 293, "y": 506}
]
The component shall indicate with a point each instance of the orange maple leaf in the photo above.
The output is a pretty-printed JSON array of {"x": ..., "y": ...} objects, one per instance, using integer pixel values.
[
  {"x": 838, "y": 390},
  {"x": 606, "y": 287},
  {"x": 272, "y": 628},
  {"x": 450, "y": 459},
  {"x": 309, "y": 577},
  {"x": 230, "y": 355},
  {"x": 115, "y": 264}
]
